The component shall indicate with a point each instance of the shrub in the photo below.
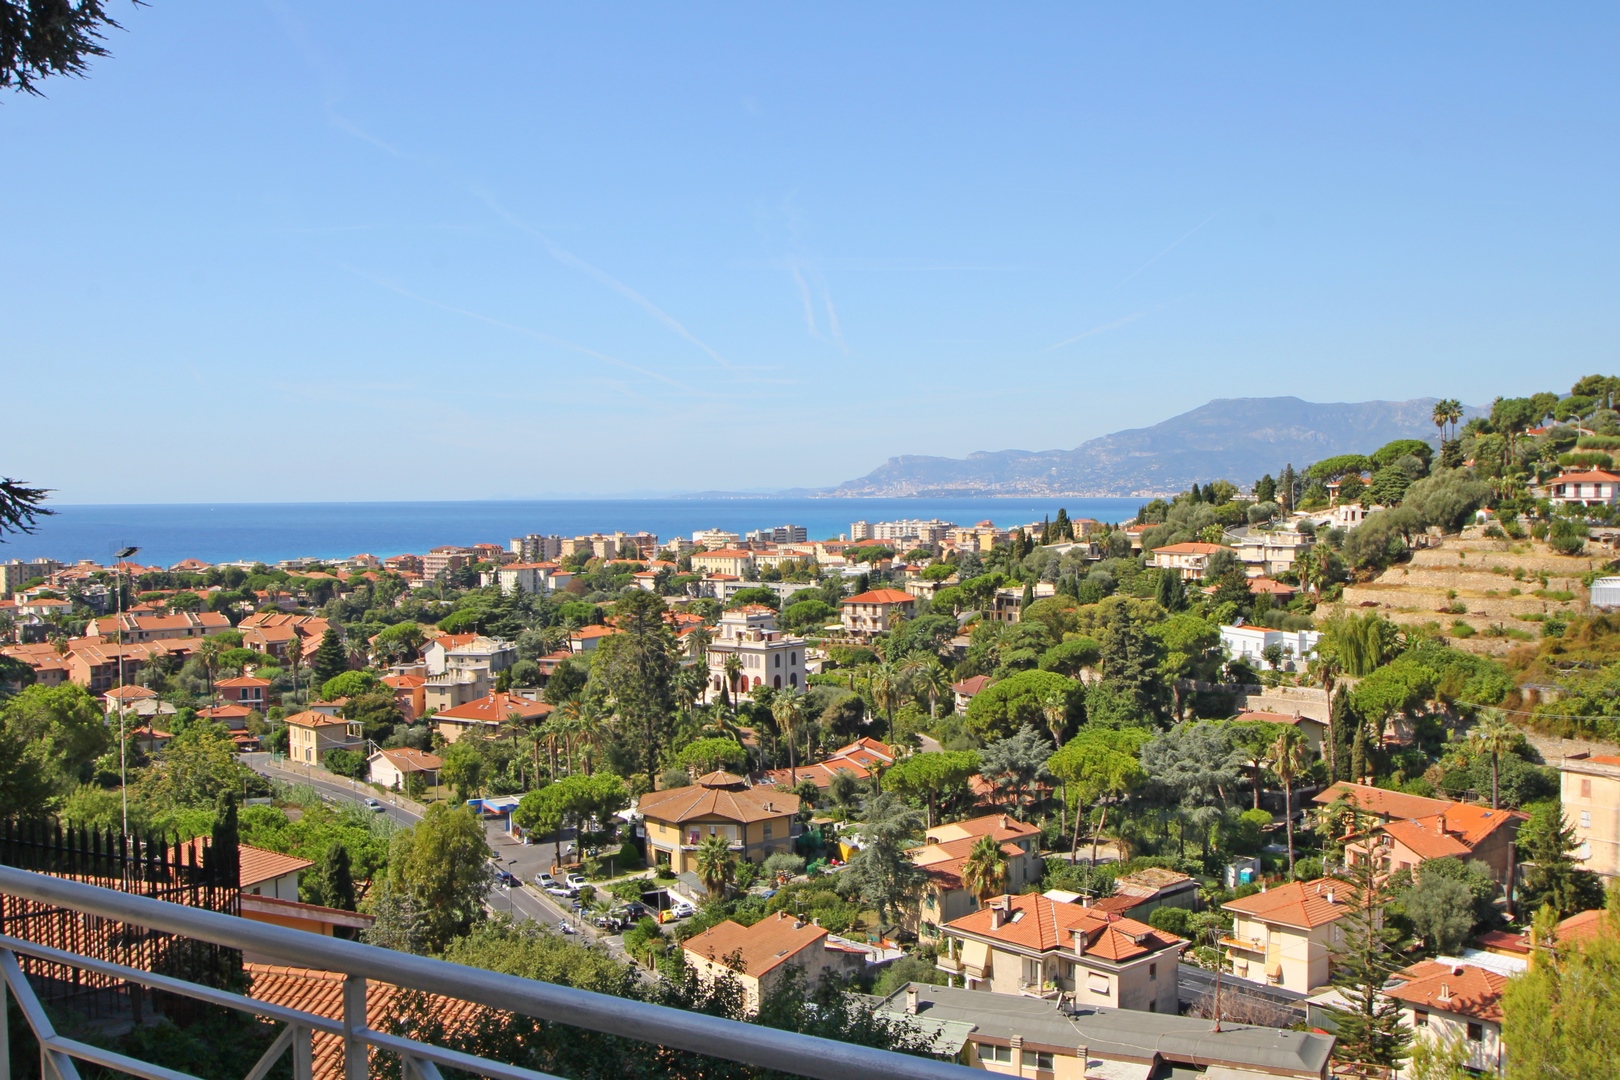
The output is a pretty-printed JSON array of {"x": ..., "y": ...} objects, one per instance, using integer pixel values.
[{"x": 1567, "y": 536}]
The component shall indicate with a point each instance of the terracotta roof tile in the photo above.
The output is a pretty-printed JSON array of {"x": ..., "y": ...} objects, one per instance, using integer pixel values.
[
  {"x": 1463, "y": 989},
  {"x": 768, "y": 944},
  {"x": 1038, "y": 923},
  {"x": 882, "y": 596},
  {"x": 1302, "y": 904}
]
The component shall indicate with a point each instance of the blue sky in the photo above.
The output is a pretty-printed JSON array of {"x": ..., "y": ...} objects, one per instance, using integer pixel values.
[{"x": 407, "y": 250}]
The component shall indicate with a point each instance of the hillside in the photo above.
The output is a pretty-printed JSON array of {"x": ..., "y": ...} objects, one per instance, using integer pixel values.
[{"x": 1237, "y": 439}]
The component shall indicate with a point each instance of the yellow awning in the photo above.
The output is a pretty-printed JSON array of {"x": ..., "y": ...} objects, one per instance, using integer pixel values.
[{"x": 976, "y": 958}]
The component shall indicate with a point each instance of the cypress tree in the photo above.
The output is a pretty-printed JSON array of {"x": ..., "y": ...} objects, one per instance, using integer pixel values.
[
  {"x": 224, "y": 849},
  {"x": 329, "y": 660},
  {"x": 334, "y": 878},
  {"x": 1370, "y": 1031}
]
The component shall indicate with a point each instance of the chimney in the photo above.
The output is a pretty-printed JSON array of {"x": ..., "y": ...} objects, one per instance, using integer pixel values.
[
  {"x": 1080, "y": 942},
  {"x": 911, "y": 1001},
  {"x": 1004, "y": 824},
  {"x": 997, "y": 918},
  {"x": 1330, "y": 896},
  {"x": 1445, "y": 992},
  {"x": 815, "y": 921},
  {"x": 1440, "y": 823},
  {"x": 798, "y": 924}
]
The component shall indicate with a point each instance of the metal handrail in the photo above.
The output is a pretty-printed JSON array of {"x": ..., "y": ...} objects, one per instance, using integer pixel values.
[{"x": 733, "y": 1040}]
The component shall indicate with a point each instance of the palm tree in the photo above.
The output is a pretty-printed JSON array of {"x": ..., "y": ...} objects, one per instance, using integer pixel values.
[
  {"x": 789, "y": 714},
  {"x": 884, "y": 684},
  {"x": 984, "y": 871},
  {"x": 209, "y": 652},
  {"x": 1454, "y": 414},
  {"x": 734, "y": 676},
  {"x": 1290, "y": 757},
  {"x": 715, "y": 864},
  {"x": 1495, "y": 736},
  {"x": 294, "y": 656},
  {"x": 590, "y": 731},
  {"x": 926, "y": 677}
]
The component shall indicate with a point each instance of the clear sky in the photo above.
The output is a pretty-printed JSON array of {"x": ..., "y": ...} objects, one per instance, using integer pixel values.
[{"x": 303, "y": 250}]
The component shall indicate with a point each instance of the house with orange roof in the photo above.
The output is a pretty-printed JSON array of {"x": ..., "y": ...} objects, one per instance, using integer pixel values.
[
  {"x": 1286, "y": 936},
  {"x": 234, "y": 717},
  {"x": 945, "y": 851},
  {"x": 408, "y": 694},
  {"x": 484, "y": 716},
  {"x": 391, "y": 768},
  {"x": 1312, "y": 730},
  {"x": 243, "y": 690},
  {"x": 1591, "y": 487},
  {"x": 1589, "y": 788},
  {"x": 757, "y": 821},
  {"x": 142, "y": 628},
  {"x": 311, "y": 734},
  {"x": 1380, "y": 804},
  {"x": 587, "y": 638},
  {"x": 1447, "y": 1002},
  {"x": 759, "y": 957},
  {"x": 969, "y": 688},
  {"x": 465, "y": 652},
  {"x": 859, "y": 759},
  {"x": 1462, "y": 831},
  {"x": 875, "y": 611},
  {"x": 274, "y": 632},
  {"x": 1034, "y": 946},
  {"x": 1190, "y": 560}
]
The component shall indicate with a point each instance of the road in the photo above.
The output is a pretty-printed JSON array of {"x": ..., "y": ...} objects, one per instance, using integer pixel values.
[{"x": 521, "y": 902}]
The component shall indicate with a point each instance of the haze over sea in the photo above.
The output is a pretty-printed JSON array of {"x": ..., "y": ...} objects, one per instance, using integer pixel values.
[{"x": 268, "y": 532}]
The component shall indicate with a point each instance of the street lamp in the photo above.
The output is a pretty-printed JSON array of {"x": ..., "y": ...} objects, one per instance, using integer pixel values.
[{"x": 121, "y": 555}]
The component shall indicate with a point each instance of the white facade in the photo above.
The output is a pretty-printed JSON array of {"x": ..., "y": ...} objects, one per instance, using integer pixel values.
[
  {"x": 1267, "y": 554},
  {"x": 1249, "y": 644},
  {"x": 1606, "y": 592},
  {"x": 768, "y": 657}
]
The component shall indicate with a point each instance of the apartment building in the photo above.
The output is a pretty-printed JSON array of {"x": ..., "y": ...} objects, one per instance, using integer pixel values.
[
  {"x": 1007, "y": 605},
  {"x": 876, "y": 611},
  {"x": 1034, "y": 946},
  {"x": 137, "y": 628},
  {"x": 945, "y": 898},
  {"x": 767, "y": 656},
  {"x": 638, "y": 545},
  {"x": 311, "y": 734},
  {"x": 1451, "y": 1002},
  {"x": 757, "y": 821},
  {"x": 1286, "y": 936},
  {"x": 534, "y": 578},
  {"x": 536, "y": 548},
  {"x": 446, "y": 557},
  {"x": 1590, "y": 792},
  {"x": 913, "y": 532},
  {"x": 714, "y": 538},
  {"x": 1249, "y": 644},
  {"x": 780, "y": 534},
  {"x": 17, "y": 573},
  {"x": 1190, "y": 560},
  {"x": 738, "y": 562},
  {"x": 451, "y": 652},
  {"x": 1269, "y": 552}
]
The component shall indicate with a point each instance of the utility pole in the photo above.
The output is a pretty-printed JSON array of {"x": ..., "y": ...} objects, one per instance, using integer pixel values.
[{"x": 122, "y": 555}]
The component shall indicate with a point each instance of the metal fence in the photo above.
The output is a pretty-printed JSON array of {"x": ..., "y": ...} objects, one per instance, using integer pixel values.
[{"x": 732, "y": 1040}]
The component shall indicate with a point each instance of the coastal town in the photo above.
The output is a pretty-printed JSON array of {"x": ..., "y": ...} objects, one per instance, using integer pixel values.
[{"x": 1309, "y": 775}]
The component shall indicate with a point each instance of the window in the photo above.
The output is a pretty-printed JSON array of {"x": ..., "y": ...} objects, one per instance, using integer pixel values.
[
  {"x": 793, "y": 658},
  {"x": 767, "y": 830},
  {"x": 778, "y": 659},
  {"x": 1153, "y": 972},
  {"x": 1420, "y": 1018},
  {"x": 1153, "y": 1006},
  {"x": 1586, "y": 819},
  {"x": 1098, "y": 984},
  {"x": 1476, "y": 1032},
  {"x": 991, "y": 1052},
  {"x": 1038, "y": 1059},
  {"x": 1586, "y": 787}
]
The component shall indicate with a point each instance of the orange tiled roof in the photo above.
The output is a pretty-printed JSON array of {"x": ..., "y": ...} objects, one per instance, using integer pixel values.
[
  {"x": 408, "y": 760},
  {"x": 1039, "y": 924},
  {"x": 1585, "y": 926},
  {"x": 766, "y": 945},
  {"x": 1382, "y": 802},
  {"x": 311, "y": 719},
  {"x": 241, "y": 681},
  {"x": 731, "y": 802},
  {"x": 1190, "y": 548},
  {"x": 1302, "y": 904},
  {"x": 1274, "y": 717},
  {"x": 1464, "y": 989},
  {"x": 882, "y": 596},
  {"x": 1596, "y": 476},
  {"x": 495, "y": 708},
  {"x": 970, "y": 686}
]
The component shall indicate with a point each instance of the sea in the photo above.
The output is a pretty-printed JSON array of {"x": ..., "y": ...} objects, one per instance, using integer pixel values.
[{"x": 269, "y": 532}]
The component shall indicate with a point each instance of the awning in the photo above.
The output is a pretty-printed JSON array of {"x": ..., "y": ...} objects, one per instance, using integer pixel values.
[{"x": 976, "y": 958}]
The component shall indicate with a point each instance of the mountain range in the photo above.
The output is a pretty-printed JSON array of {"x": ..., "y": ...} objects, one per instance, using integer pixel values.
[{"x": 1236, "y": 439}]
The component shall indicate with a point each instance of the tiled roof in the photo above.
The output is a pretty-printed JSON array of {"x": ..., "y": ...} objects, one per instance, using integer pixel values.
[
  {"x": 767, "y": 944},
  {"x": 970, "y": 686},
  {"x": 1191, "y": 548},
  {"x": 260, "y": 865},
  {"x": 882, "y": 596},
  {"x": 311, "y": 719},
  {"x": 1596, "y": 476},
  {"x": 1426, "y": 841},
  {"x": 1381, "y": 801},
  {"x": 495, "y": 708},
  {"x": 408, "y": 760},
  {"x": 734, "y": 803},
  {"x": 240, "y": 681},
  {"x": 130, "y": 693},
  {"x": 321, "y": 992},
  {"x": 1464, "y": 989},
  {"x": 1301, "y": 904},
  {"x": 1001, "y": 826},
  {"x": 1274, "y": 718},
  {"x": 1583, "y": 927},
  {"x": 1037, "y": 923}
]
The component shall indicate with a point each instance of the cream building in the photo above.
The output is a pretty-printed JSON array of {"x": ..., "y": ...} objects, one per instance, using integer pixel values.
[
  {"x": 1286, "y": 936},
  {"x": 757, "y": 821},
  {"x": 759, "y": 957},
  {"x": 1590, "y": 792},
  {"x": 1456, "y": 1003},
  {"x": 311, "y": 734},
  {"x": 767, "y": 656}
]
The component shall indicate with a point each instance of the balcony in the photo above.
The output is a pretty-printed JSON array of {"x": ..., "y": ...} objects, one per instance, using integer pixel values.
[
  {"x": 1250, "y": 945},
  {"x": 749, "y": 1044}
]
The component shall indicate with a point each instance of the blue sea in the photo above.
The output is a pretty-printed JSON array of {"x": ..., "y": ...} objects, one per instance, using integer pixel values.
[{"x": 226, "y": 532}]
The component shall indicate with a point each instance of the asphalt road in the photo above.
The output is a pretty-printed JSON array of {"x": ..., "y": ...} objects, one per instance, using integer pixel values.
[{"x": 520, "y": 902}]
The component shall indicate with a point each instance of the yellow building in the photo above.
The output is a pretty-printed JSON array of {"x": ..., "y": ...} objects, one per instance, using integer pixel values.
[
  {"x": 758, "y": 822},
  {"x": 311, "y": 734},
  {"x": 1286, "y": 936},
  {"x": 1590, "y": 792}
]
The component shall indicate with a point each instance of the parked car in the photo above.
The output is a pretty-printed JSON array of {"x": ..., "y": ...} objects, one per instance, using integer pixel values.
[
  {"x": 680, "y": 909},
  {"x": 635, "y": 911},
  {"x": 612, "y": 921},
  {"x": 577, "y": 881},
  {"x": 560, "y": 889},
  {"x": 544, "y": 880}
]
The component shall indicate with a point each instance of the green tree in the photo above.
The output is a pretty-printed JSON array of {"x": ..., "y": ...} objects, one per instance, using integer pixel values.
[
  {"x": 1290, "y": 758},
  {"x": 441, "y": 865},
  {"x": 1201, "y": 764},
  {"x": 1559, "y": 1017},
  {"x": 50, "y": 737},
  {"x": 715, "y": 864},
  {"x": 880, "y": 870},
  {"x": 634, "y": 672},
  {"x": 349, "y": 684},
  {"x": 330, "y": 659},
  {"x": 1370, "y": 1031},
  {"x": 1440, "y": 909},
  {"x": 333, "y": 881},
  {"x": 1495, "y": 736},
  {"x": 1016, "y": 763},
  {"x": 1554, "y": 879},
  {"x": 344, "y": 763},
  {"x": 788, "y": 712},
  {"x": 707, "y": 755},
  {"x": 1001, "y": 708},
  {"x": 933, "y": 777},
  {"x": 984, "y": 871},
  {"x": 463, "y": 768},
  {"x": 196, "y": 767},
  {"x": 1099, "y": 766}
]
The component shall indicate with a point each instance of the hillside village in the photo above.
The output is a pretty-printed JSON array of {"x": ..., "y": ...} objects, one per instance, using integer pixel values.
[{"x": 1326, "y": 753}]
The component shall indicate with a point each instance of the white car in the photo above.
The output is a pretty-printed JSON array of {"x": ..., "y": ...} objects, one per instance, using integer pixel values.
[
  {"x": 577, "y": 881},
  {"x": 680, "y": 909}
]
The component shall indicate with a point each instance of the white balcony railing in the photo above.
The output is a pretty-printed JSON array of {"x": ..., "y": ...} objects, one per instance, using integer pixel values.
[{"x": 752, "y": 1044}]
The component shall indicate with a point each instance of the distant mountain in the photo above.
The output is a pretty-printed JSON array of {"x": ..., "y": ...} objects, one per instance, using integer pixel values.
[{"x": 1236, "y": 439}]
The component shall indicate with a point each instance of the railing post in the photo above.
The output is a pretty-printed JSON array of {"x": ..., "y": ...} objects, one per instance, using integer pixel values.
[
  {"x": 303, "y": 1053},
  {"x": 354, "y": 1021},
  {"x": 5, "y": 1031}
]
